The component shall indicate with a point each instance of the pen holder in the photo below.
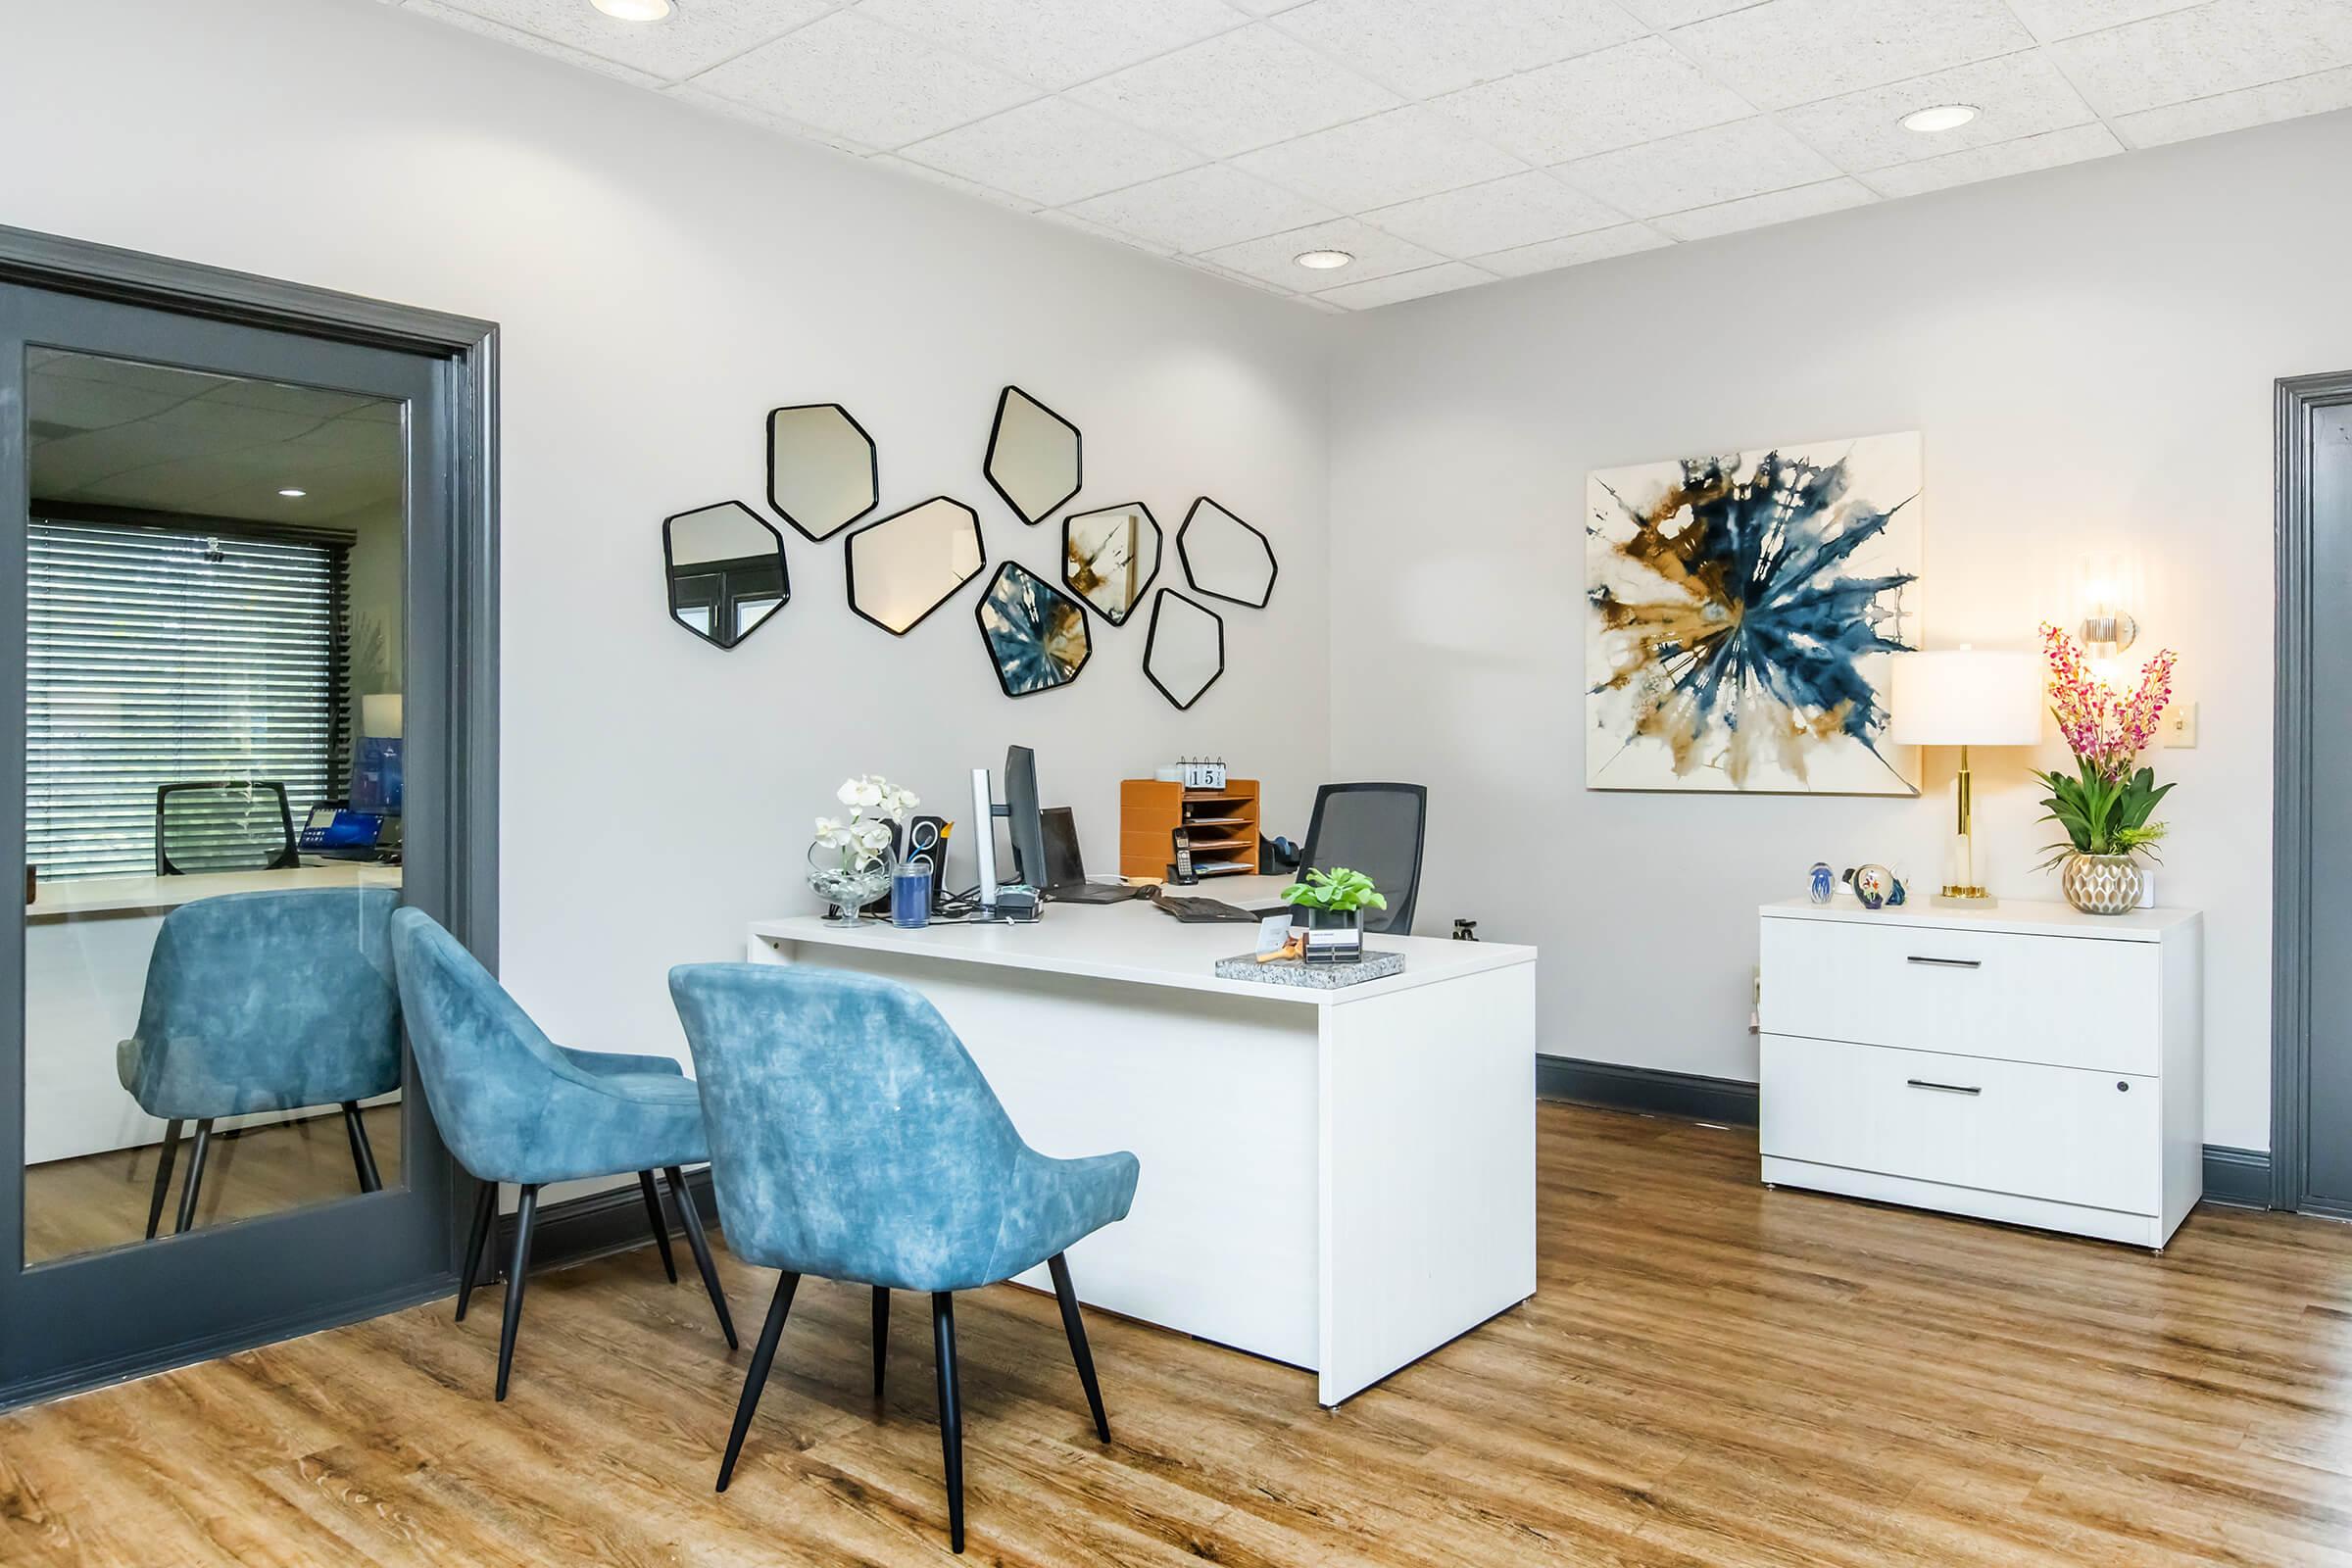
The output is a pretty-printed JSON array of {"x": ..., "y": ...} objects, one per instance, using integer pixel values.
[{"x": 911, "y": 894}]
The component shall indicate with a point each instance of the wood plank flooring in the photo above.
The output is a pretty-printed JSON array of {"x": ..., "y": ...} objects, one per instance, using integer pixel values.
[{"x": 1710, "y": 1374}]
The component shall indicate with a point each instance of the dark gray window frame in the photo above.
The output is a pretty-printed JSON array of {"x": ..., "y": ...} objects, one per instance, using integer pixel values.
[{"x": 465, "y": 621}]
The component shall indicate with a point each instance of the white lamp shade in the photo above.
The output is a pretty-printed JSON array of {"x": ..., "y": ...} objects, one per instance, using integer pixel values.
[
  {"x": 1967, "y": 697},
  {"x": 380, "y": 715}
]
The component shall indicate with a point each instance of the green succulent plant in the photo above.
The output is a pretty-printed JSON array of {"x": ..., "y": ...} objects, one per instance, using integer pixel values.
[
  {"x": 1338, "y": 890},
  {"x": 2102, "y": 815}
]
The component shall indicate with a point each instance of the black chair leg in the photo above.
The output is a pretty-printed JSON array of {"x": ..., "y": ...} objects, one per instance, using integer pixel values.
[
  {"x": 485, "y": 1213},
  {"x": 1075, "y": 1328},
  {"x": 950, "y": 1410},
  {"x": 881, "y": 1335},
  {"x": 362, "y": 1152},
  {"x": 659, "y": 1222},
  {"x": 166, "y": 1156},
  {"x": 201, "y": 1147},
  {"x": 763, "y": 1354},
  {"x": 524, "y": 1214},
  {"x": 699, "y": 1244}
]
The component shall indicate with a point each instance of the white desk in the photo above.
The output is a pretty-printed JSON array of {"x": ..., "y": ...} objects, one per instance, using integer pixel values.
[
  {"x": 1340, "y": 1179},
  {"x": 86, "y": 946}
]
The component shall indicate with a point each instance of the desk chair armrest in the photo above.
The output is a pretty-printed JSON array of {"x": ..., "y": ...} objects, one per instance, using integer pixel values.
[{"x": 615, "y": 1063}]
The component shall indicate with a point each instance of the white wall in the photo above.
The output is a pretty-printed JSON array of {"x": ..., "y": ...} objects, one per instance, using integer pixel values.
[
  {"x": 662, "y": 278},
  {"x": 2089, "y": 353}
]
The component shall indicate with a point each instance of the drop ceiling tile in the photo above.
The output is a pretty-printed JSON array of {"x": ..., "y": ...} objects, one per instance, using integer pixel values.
[
  {"x": 1372, "y": 162},
  {"x": 1201, "y": 208},
  {"x": 1595, "y": 103},
  {"x": 955, "y": 182},
  {"x": 1423, "y": 50},
  {"x": 2015, "y": 95},
  {"x": 1058, "y": 43},
  {"x": 1574, "y": 251},
  {"x": 1699, "y": 169},
  {"x": 2064, "y": 19},
  {"x": 1375, "y": 254},
  {"x": 698, "y": 35},
  {"x": 1401, "y": 286},
  {"x": 1053, "y": 150},
  {"x": 1198, "y": 265},
  {"x": 2314, "y": 94},
  {"x": 1063, "y": 218},
  {"x": 1663, "y": 13},
  {"x": 484, "y": 27},
  {"x": 1239, "y": 90},
  {"x": 1773, "y": 207},
  {"x": 686, "y": 92},
  {"x": 2023, "y": 156},
  {"x": 2224, "y": 46},
  {"x": 1264, "y": 8},
  {"x": 856, "y": 78},
  {"x": 1786, "y": 52},
  {"x": 1515, "y": 210}
]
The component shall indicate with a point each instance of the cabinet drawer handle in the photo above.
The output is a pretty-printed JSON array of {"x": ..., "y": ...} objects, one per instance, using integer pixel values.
[
  {"x": 1947, "y": 963},
  {"x": 1949, "y": 1089}
]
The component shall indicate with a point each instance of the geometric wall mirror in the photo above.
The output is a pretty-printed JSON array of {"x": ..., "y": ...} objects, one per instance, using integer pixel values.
[
  {"x": 1224, "y": 557},
  {"x": 1036, "y": 634},
  {"x": 1110, "y": 557},
  {"x": 726, "y": 570},
  {"x": 821, "y": 472},
  {"x": 1184, "y": 653},
  {"x": 1033, "y": 456},
  {"x": 907, "y": 564}
]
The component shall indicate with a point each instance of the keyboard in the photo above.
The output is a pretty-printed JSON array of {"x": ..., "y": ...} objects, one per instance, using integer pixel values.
[{"x": 1203, "y": 911}]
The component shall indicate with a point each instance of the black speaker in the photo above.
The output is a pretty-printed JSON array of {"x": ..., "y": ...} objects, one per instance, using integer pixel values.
[{"x": 927, "y": 837}]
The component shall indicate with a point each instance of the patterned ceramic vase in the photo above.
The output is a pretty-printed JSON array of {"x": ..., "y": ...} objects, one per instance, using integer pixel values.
[{"x": 2101, "y": 884}]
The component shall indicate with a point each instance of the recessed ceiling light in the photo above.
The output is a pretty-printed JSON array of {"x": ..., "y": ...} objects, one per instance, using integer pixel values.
[
  {"x": 293, "y": 494},
  {"x": 1323, "y": 261},
  {"x": 633, "y": 10},
  {"x": 1939, "y": 116}
]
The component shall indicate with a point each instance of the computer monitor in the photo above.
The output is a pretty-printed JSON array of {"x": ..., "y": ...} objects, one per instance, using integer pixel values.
[
  {"x": 1023, "y": 824},
  {"x": 1065, "y": 868}
]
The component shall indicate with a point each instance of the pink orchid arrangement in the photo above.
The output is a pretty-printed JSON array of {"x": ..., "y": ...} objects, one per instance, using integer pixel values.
[{"x": 2103, "y": 727}]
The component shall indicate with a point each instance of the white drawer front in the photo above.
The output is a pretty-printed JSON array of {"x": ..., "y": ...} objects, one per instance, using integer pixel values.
[
  {"x": 2060, "y": 1133},
  {"x": 2072, "y": 1002}
]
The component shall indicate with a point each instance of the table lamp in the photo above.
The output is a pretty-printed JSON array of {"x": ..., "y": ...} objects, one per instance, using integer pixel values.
[{"x": 1965, "y": 697}]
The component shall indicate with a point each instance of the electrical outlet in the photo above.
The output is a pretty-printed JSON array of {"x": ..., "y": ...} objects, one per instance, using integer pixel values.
[{"x": 2180, "y": 725}]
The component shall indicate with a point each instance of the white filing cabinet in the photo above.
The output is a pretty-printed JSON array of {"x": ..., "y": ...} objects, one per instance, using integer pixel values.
[{"x": 2030, "y": 1063}]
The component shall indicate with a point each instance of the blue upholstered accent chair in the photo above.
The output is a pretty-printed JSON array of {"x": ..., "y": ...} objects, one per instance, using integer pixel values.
[
  {"x": 514, "y": 1106},
  {"x": 260, "y": 1002},
  {"x": 852, "y": 1137}
]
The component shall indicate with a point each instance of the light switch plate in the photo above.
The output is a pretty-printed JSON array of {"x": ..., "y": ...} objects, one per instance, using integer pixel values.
[{"x": 2178, "y": 727}]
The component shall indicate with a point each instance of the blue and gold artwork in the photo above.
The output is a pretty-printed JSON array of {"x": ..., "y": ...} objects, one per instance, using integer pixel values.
[
  {"x": 1036, "y": 634},
  {"x": 1742, "y": 611}
]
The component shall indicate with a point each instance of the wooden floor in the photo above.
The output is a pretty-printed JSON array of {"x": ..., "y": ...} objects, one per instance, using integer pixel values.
[
  {"x": 1710, "y": 1374},
  {"x": 101, "y": 1201}
]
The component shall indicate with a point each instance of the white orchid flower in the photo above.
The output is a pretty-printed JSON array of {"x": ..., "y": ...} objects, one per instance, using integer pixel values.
[{"x": 847, "y": 795}]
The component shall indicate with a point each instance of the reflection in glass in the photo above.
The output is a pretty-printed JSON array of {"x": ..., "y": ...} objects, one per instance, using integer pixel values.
[
  {"x": 1036, "y": 634},
  {"x": 1224, "y": 557},
  {"x": 1110, "y": 557},
  {"x": 906, "y": 566},
  {"x": 215, "y": 578},
  {"x": 1183, "y": 652},
  {"x": 1033, "y": 456},
  {"x": 821, "y": 473},
  {"x": 726, "y": 571}
]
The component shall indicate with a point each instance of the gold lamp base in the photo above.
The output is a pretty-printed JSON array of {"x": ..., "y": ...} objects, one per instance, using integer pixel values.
[{"x": 1960, "y": 897}]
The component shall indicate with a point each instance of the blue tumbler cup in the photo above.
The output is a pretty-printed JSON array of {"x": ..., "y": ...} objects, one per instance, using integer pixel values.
[{"x": 910, "y": 894}]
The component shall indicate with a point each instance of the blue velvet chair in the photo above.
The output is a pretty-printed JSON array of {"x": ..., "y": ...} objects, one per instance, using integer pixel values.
[
  {"x": 852, "y": 1136},
  {"x": 261, "y": 1002},
  {"x": 514, "y": 1106}
]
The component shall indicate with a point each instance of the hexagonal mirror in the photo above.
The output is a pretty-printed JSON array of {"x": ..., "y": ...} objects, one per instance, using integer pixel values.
[
  {"x": 1224, "y": 557},
  {"x": 821, "y": 472},
  {"x": 1110, "y": 557},
  {"x": 1033, "y": 456},
  {"x": 1184, "y": 653},
  {"x": 906, "y": 566},
  {"x": 725, "y": 569},
  {"x": 1036, "y": 634}
]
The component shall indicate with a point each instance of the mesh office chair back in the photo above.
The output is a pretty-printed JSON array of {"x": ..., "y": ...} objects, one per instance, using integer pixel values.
[
  {"x": 224, "y": 826},
  {"x": 1376, "y": 829}
]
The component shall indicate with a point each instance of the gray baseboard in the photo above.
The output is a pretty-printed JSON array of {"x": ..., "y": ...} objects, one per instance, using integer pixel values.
[
  {"x": 2239, "y": 1177},
  {"x": 598, "y": 1225}
]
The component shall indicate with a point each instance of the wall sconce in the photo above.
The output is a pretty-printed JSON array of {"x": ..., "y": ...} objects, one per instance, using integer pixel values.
[{"x": 2104, "y": 587}]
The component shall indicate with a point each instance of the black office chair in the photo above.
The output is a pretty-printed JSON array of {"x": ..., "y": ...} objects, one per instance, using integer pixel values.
[
  {"x": 1376, "y": 829},
  {"x": 222, "y": 825}
]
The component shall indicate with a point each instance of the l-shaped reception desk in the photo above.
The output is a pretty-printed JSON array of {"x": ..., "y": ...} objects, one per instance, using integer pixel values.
[{"x": 1343, "y": 1180}]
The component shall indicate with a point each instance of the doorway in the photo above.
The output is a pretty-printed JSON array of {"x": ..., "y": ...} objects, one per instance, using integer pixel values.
[
  {"x": 2311, "y": 995},
  {"x": 248, "y": 652}
]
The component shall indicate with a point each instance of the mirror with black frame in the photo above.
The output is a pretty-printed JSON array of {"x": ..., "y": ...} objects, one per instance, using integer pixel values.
[
  {"x": 1183, "y": 652},
  {"x": 906, "y": 566},
  {"x": 725, "y": 570},
  {"x": 215, "y": 587},
  {"x": 822, "y": 475},
  {"x": 1034, "y": 458},
  {"x": 1224, "y": 557},
  {"x": 1110, "y": 557}
]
